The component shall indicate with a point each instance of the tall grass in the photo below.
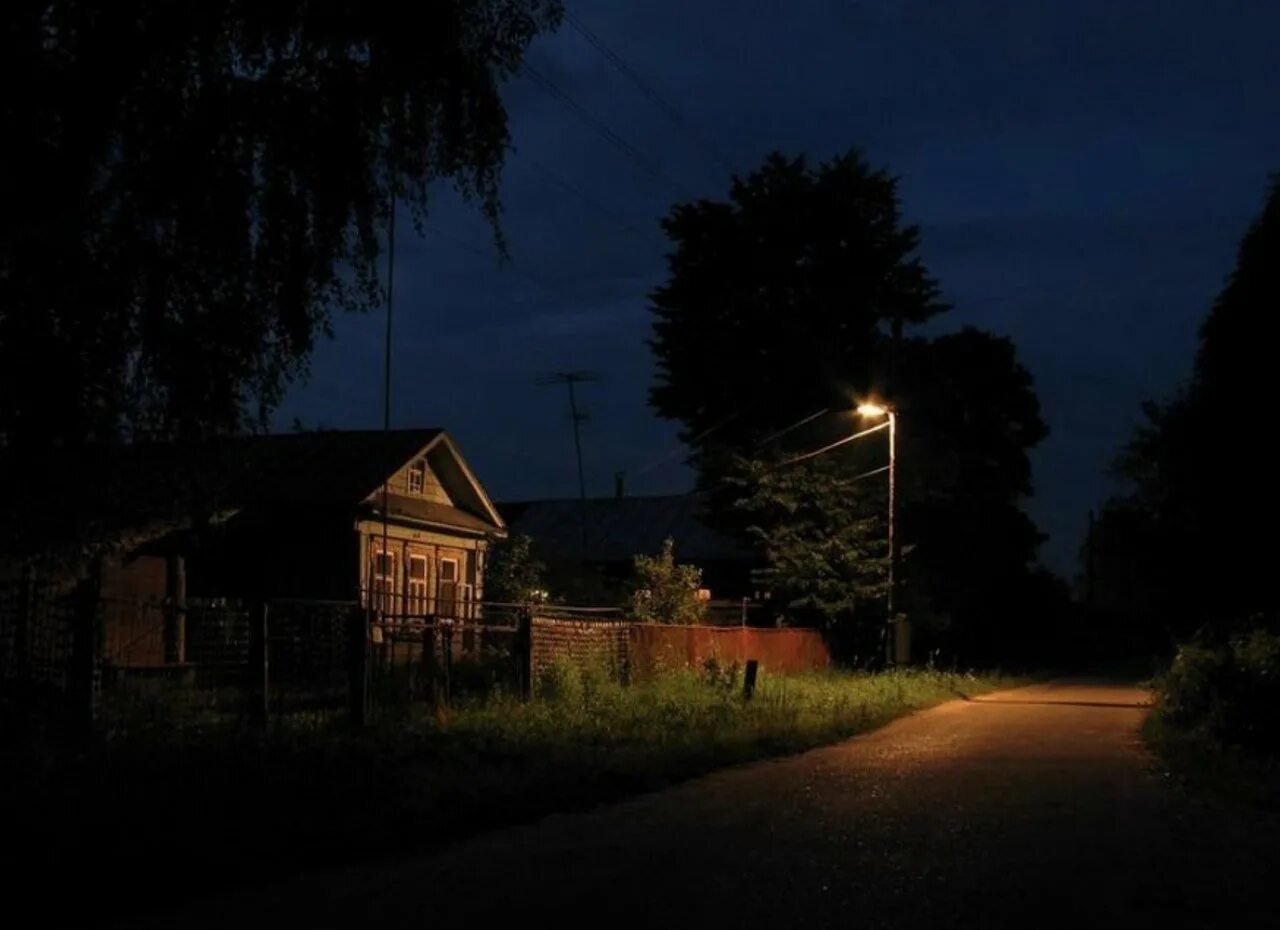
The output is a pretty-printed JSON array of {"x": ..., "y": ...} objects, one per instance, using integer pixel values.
[
  {"x": 324, "y": 796},
  {"x": 701, "y": 713}
]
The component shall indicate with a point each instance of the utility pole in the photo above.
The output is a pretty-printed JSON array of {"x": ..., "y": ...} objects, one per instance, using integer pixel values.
[
  {"x": 569, "y": 379},
  {"x": 894, "y": 564}
]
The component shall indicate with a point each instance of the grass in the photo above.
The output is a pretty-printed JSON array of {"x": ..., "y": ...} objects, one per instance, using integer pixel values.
[{"x": 181, "y": 811}]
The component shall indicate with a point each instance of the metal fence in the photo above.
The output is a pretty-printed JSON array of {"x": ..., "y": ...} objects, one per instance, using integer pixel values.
[{"x": 125, "y": 664}]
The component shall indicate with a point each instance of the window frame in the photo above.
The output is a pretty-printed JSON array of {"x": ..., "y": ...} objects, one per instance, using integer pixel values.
[
  {"x": 417, "y": 590},
  {"x": 383, "y": 597},
  {"x": 417, "y": 475}
]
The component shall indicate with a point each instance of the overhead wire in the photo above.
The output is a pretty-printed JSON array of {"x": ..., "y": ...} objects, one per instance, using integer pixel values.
[
  {"x": 671, "y": 111},
  {"x": 604, "y": 130},
  {"x": 834, "y": 445}
]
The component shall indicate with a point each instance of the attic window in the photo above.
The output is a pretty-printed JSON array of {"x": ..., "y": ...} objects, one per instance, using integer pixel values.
[{"x": 418, "y": 476}]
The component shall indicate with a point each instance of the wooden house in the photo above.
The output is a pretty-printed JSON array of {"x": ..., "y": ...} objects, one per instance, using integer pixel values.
[{"x": 394, "y": 520}]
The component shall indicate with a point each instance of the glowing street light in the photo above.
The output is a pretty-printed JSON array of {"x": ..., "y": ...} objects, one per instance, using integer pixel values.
[{"x": 871, "y": 409}]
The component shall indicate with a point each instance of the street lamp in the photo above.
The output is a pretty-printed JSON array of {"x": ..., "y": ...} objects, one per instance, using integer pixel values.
[{"x": 870, "y": 409}]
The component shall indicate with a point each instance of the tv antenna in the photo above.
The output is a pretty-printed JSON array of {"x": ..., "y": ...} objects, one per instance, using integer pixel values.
[{"x": 569, "y": 379}]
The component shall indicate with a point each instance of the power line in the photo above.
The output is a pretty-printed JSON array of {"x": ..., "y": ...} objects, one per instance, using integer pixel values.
[
  {"x": 586, "y": 198},
  {"x": 546, "y": 284},
  {"x": 649, "y": 91},
  {"x": 668, "y": 456},
  {"x": 602, "y": 129},
  {"x": 834, "y": 445},
  {"x": 794, "y": 426},
  {"x": 681, "y": 449}
]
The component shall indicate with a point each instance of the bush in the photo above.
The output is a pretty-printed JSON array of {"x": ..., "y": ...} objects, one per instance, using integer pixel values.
[{"x": 1227, "y": 690}]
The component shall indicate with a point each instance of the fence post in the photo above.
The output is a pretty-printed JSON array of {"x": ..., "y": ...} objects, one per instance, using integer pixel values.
[
  {"x": 749, "y": 679},
  {"x": 259, "y": 677},
  {"x": 446, "y": 663},
  {"x": 81, "y": 686},
  {"x": 22, "y": 628},
  {"x": 358, "y": 666},
  {"x": 524, "y": 653},
  {"x": 175, "y": 610}
]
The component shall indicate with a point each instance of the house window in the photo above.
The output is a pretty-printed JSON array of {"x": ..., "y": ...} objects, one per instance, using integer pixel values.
[
  {"x": 417, "y": 586},
  {"x": 448, "y": 593},
  {"x": 383, "y": 581},
  {"x": 418, "y": 476}
]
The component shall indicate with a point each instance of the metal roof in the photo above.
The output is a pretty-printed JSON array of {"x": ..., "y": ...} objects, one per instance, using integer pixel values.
[{"x": 619, "y": 528}]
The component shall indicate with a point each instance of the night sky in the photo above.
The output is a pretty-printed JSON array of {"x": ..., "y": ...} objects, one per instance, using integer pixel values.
[{"x": 1082, "y": 173}]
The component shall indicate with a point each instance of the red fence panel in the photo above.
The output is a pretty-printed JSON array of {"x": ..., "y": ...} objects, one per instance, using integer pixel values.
[{"x": 656, "y": 647}]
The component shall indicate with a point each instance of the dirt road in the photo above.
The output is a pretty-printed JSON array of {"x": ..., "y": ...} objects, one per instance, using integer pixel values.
[{"x": 1031, "y": 807}]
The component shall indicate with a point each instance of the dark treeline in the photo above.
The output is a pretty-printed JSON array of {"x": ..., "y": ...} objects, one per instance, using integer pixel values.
[{"x": 1191, "y": 544}]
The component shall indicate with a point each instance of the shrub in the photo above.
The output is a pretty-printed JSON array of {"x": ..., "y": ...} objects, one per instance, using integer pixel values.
[
  {"x": 1227, "y": 690},
  {"x": 667, "y": 592}
]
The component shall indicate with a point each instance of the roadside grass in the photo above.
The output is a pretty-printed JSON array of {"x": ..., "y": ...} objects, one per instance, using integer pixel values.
[{"x": 184, "y": 811}]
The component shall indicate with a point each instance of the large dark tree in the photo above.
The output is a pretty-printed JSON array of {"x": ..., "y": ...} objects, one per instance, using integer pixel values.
[
  {"x": 190, "y": 190},
  {"x": 969, "y": 417},
  {"x": 776, "y": 298},
  {"x": 794, "y": 296},
  {"x": 1192, "y": 541}
]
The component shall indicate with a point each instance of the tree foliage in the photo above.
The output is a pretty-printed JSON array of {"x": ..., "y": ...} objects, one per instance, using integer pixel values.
[
  {"x": 1187, "y": 544},
  {"x": 665, "y": 591},
  {"x": 514, "y": 574},
  {"x": 776, "y": 299},
  {"x": 191, "y": 189},
  {"x": 823, "y": 536}
]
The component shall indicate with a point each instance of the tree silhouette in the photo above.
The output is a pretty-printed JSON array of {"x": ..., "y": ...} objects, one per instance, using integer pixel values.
[
  {"x": 776, "y": 299},
  {"x": 191, "y": 190},
  {"x": 1188, "y": 544}
]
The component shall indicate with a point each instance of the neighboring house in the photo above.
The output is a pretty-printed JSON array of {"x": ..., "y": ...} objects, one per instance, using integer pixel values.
[
  {"x": 296, "y": 515},
  {"x": 608, "y": 533}
]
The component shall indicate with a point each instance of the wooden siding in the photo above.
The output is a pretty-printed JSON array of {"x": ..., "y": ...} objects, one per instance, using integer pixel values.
[
  {"x": 434, "y": 547},
  {"x": 432, "y": 490}
]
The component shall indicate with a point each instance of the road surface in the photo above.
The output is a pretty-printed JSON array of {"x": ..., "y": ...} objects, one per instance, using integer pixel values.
[{"x": 1032, "y": 807}]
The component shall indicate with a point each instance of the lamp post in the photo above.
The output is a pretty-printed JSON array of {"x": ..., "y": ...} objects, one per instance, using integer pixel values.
[{"x": 869, "y": 409}]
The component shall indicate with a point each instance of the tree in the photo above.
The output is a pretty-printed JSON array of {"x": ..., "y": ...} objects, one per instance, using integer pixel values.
[
  {"x": 191, "y": 191},
  {"x": 666, "y": 592},
  {"x": 969, "y": 416},
  {"x": 514, "y": 575},
  {"x": 794, "y": 297},
  {"x": 777, "y": 300},
  {"x": 1202, "y": 496},
  {"x": 822, "y": 533}
]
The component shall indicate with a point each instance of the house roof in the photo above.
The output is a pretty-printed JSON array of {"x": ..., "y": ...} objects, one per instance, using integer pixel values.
[
  {"x": 619, "y": 528},
  {"x": 433, "y": 513},
  {"x": 114, "y": 491}
]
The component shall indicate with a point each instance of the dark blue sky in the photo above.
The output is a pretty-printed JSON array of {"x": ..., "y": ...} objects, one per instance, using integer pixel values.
[{"x": 1082, "y": 172}]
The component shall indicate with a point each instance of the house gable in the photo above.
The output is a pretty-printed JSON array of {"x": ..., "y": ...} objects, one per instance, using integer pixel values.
[
  {"x": 418, "y": 478},
  {"x": 437, "y": 474}
]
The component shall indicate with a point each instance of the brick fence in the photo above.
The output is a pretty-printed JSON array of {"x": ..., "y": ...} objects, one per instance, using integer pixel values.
[
  {"x": 582, "y": 643},
  {"x": 626, "y": 649}
]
